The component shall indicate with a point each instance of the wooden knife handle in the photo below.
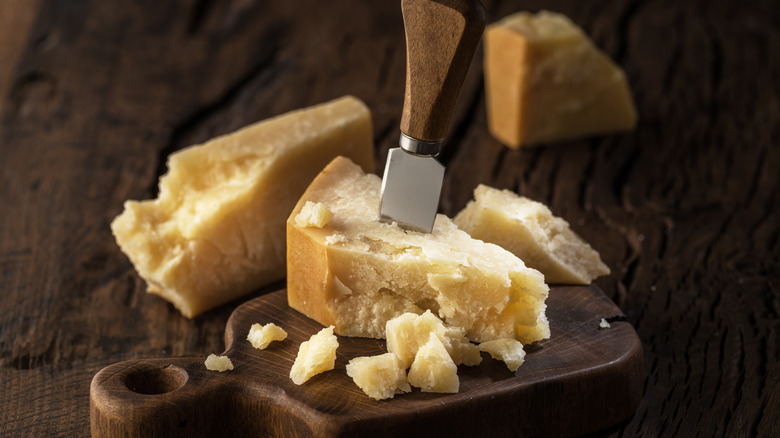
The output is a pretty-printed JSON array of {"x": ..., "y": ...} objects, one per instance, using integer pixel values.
[{"x": 441, "y": 39}]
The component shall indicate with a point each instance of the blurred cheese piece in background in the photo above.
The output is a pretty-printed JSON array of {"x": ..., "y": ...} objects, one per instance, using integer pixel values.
[
  {"x": 529, "y": 230},
  {"x": 217, "y": 230},
  {"x": 546, "y": 81}
]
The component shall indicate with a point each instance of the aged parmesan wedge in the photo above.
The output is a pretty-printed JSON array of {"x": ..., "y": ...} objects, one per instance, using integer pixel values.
[
  {"x": 380, "y": 377},
  {"x": 529, "y": 230},
  {"x": 315, "y": 356},
  {"x": 545, "y": 81},
  {"x": 357, "y": 273},
  {"x": 217, "y": 229}
]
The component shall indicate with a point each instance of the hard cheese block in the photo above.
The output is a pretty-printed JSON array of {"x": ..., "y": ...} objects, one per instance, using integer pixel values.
[
  {"x": 545, "y": 81},
  {"x": 217, "y": 229},
  {"x": 529, "y": 230},
  {"x": 356, "y": 273}
]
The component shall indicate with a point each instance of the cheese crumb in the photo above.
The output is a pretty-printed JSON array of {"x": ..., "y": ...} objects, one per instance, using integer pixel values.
[
  {"x": 433, "y": 369},
  {"x": 218, "y": 363},
  {"x": 313, "y": 214},
  {"x": 262, "y": 335},
  {"x": 380, "y": 377},
  {"x": 604, "y": 324},
  {"x": 315, "y": 356},
  {"x": 406, "y": 333},
  {"x": 509, "y": 350}
]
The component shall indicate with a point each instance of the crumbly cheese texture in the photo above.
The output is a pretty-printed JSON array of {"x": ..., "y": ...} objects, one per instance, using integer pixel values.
[
  {"x": 529, "y": 230},
  {"x": 356, "y": 273},
  {"x": 315, "y": 356},
  {"x": 433, "y": 370},
  {"x": 546, "y": 81},
  {"x": 218, "y": 363},
  {"x": 313, "y": 215},
  {"x": 508, "y": 350},
  {"x": 406, "y": 333},
  {"x": 217, "y": 229},
  {"x": 380, "y": 377},
  {"x": 260, "y": 336}
]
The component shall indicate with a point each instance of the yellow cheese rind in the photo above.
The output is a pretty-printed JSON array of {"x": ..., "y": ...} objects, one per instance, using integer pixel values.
[
  {"x": 546, "y": 81},
  {"x": 380, "y": 377},
  {"x": 530, "y": 231},
  {"x": 433, "y": 370},
  {"x": 315, "y": 356},
  {"x": 373, "y": 271},
  {"x": 508, "y": 350},
  {"x": 260, "y": 336},
  {"x": 217, "y": 229}
]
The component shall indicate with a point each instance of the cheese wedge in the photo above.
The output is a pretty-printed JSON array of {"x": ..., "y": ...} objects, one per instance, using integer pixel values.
[
  {"x": 545, "y": 81},
  {"x": 217, "y": 229},
  {"x": 529, "y": 230},
  {"x": 356, "y": 273}
]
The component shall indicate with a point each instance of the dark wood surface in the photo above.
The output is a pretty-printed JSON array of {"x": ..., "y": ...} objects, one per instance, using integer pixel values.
[
  {"x": 583, "y": 379},
  {"x": 95, "y": 94}
]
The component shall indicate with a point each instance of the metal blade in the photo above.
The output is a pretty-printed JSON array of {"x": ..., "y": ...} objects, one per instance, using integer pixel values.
[{"x": 411, "y": 188}]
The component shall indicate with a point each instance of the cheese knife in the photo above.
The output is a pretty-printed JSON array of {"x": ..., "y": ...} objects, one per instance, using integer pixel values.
[{"x": 441, "y": 39}]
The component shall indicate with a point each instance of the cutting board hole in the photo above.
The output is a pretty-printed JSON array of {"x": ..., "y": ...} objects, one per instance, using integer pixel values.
[{"x": 153, "y": 379}]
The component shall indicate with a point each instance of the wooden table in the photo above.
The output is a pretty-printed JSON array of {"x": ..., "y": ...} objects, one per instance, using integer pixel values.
[{"x": 685, "y": 211}]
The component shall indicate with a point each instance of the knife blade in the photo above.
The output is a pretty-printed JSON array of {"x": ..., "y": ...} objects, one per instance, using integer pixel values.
[{"x": 442, "y": 37}]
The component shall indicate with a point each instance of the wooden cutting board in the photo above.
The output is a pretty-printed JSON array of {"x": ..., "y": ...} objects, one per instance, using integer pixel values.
[{"x": 582, "y": 379}]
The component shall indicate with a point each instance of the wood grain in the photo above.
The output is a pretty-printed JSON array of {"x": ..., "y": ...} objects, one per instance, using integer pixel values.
[
  {"x": 683, "y": 209},
  {"x": 441, "y": 39},
  {"x": 582, "y": 379}
]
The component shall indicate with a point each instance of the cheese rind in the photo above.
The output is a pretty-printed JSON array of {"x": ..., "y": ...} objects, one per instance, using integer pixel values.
[
  {"x": 315, "y": 356},
  {"x": 529, "y": 230},
  {"x": 260, "y": 336},
  {"x": 380, "y": 377},
  {"x": 545, "y": 81},
  {"x": 217, "y": 229},
  {"x": 373, "y": 271}
]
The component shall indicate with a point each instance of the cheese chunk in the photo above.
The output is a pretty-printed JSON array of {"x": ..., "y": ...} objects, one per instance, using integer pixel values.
[
  {"x": 380, "y": 377},
  {"x": 433, "y": 370},
  {"x": 262, "y": 335},
  {"x": 545, "y": 81},
  {"x": 508, "y": 350},
  {"x": 406, "y": 333},
  {"x": 218, "y": 363},
  {"x": 356, "y": 273},
  {"x": 313, "y": 215},
  {"x": 315, "y": 356},
  {"x": 217, "y": 229},
  {"x": 529, "y": 230}
]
